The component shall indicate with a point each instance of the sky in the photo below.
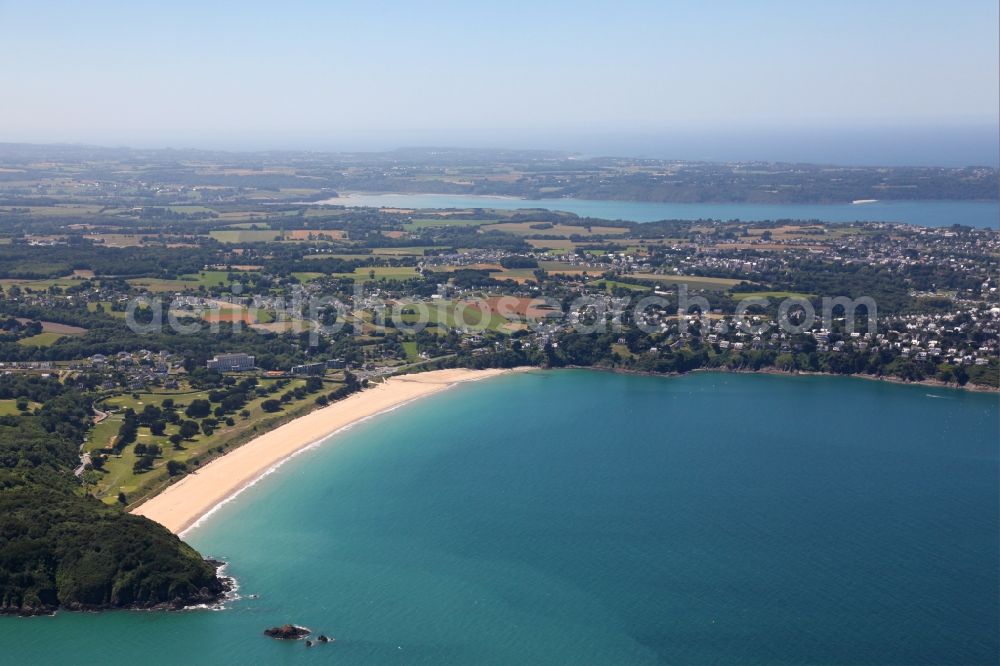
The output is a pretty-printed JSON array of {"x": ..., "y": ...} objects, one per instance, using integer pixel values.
[{"x": 636, "y": 76}]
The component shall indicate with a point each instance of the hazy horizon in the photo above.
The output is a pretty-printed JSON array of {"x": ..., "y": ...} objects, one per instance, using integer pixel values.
[
  {"x": 886, "y": 83},
  {"x": 863, "y": 147}
]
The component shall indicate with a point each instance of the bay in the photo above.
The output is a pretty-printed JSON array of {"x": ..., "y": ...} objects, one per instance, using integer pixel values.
[
  {"x": 578, "y": 517},
  {"x": 980, "y": 214}
]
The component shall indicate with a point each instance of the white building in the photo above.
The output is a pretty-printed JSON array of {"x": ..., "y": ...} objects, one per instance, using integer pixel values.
[{"x": 231, "y": 362}]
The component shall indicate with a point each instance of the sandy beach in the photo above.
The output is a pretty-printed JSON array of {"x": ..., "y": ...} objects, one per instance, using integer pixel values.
[{"x": 182, "y": 504}]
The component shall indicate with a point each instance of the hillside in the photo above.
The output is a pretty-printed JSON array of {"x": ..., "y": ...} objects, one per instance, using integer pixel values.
[{"x": 59, "y": 549}]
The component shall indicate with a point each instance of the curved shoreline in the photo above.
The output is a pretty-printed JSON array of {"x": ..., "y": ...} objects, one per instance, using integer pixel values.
[{"x": 186, "y": 503}]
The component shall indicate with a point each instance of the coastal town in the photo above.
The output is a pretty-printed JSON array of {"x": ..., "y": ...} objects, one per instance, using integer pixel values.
[{"x": 386, "y": 306}]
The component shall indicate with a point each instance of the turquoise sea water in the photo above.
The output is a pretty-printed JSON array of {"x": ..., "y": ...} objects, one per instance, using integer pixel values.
[
  {"x": 983, "y": 214},
  {"x": 576, "y": 517}
]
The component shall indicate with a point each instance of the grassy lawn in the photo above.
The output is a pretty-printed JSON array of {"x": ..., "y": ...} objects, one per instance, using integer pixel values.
[
  {"x": 40, "y": 340},
  {"x": 38, "y": 285},
  {"x": 563, "y": 230},
  {"x": 285, "y": 193},
  {"x": 64, "y": 210},
  {"x": 401, "y": 251},
  {"x": 244, "y": 235},
  {"x": 517, "y": 274},
  {"x": 437, "y": 312},
  {"x": 456, "y": 315},
  {"x": 307, "y": 276},
  {"x": 561, "y": 268},
  {"x": 186, "y": 208},
  {"x": 313, "y": 234},
  {"x": 107, "y": 309},
  {"x": 609, "y": 284},
  {"x": 157, "y": 285},
  {"x": 693, "y": 282},
  {"x": 622, "y": 350},
  {"x": 249, "y": 225},
  {"x": 248, "y": 234},
  {"x": 364, "y": 274},
  {"x": 190, "y": 281},
  {"x": 768, "y": 294},
  {"x": 9, "y": 407},
  {"x": 323, "y": 212},
  {"x": 417, "y": 225},
  {"x": 559, "y": 246},
  {"x": 208, "y": 278},
  {"x": 118, "y": 475},
  {"x": 524, "y": 274},
  {"x": 122, "y": 240},
  {"x": 410, "y": 347}
]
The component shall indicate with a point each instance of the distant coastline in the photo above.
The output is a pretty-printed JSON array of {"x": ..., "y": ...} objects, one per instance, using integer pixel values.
[{"x": 935, "y": 383}]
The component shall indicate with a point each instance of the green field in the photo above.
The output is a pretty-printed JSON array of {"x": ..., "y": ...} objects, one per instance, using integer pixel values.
[
  {"x": 208, "y": 278},
  {"x": 400, "y": 251},
  {"x": 189, "y": 208},
  {"x": 349, "y": 257},
  {"x": 417, "y": 225},
  {"x": 324, "y": 212},
  {"x": 453, "y": 315},
  {"x": 190, "y": 281},
  {"x": 768, "y": 294},
  {"x": 40, "y": 340},
  {"x": 692, "y": 281},
  {"x": 260, "y": 226},
  {"x": 9, "y": 407},
  {"x": 608, "y": 284},
  {"x": 118, "y": 474},
  {"x": 364, "y": 274},
  {"x": 622, "y": 350},
  {"x": 568, "y": 269},
  {"x": 245, "y": 235},
  {"x": 65, "y": 210},
  {"x": 562, "y": 230},
  {"x": 39, "y": 285},
  {"x": 285, "y": 193},
  {"x": 92, "y": 306},
  {"x": 158, "y": 285},
  {"x": 211, "y": 278}
]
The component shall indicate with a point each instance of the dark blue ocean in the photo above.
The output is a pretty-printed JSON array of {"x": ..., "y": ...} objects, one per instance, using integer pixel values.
[{"x": 576, "y": 517}]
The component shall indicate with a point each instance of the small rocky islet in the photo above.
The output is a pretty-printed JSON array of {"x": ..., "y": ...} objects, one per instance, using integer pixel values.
[
  {"x": 294, "y": 632},
  {"x": 288, "y": 632}
]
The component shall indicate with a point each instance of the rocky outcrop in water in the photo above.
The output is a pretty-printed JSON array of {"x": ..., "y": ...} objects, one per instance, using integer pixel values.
[{"x": 287, "y": 632}]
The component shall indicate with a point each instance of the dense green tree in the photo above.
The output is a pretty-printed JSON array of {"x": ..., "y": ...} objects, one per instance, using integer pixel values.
[
  {"x": 199, "y": 408},
  {"x": 189, "y": 429}
]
